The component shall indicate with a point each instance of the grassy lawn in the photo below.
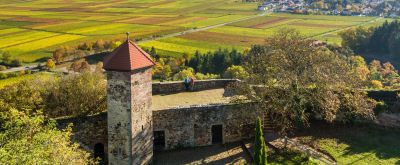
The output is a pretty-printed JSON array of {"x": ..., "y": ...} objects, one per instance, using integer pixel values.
[
  {"x": 290, "y": 158},
  {"x": 356, "y": 144}
]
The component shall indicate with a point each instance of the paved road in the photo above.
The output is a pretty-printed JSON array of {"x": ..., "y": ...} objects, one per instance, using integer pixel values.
[
  {"x": 25, "y": 67},
  {"x": 31, "y": 67}
]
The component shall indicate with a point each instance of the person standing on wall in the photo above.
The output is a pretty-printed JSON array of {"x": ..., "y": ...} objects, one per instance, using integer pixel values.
[
  {"x": 186, "y": 82},
  {"x": 192, "y": 83}
]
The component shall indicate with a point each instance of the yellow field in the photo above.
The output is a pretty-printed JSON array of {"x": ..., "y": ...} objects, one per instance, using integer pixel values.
[{"x": 31, "y": 30}]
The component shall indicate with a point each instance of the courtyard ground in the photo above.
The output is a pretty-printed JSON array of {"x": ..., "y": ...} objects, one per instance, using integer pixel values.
[
  {"x": 213, "y": 96},
  {"x": 210, "y": 155}
]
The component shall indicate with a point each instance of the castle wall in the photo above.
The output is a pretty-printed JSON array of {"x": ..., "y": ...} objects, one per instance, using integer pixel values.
[
  {"x": 183, "y": 127},
  {"x": 87, "y": 130},
  {"x": 177, "y": 86},
  {"x": 388, "y": 96},
  {"x": 191, "y": 126}
]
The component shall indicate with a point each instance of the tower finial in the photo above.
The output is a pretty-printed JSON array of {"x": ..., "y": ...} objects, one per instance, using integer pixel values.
[{"x": 127, "y": 35}]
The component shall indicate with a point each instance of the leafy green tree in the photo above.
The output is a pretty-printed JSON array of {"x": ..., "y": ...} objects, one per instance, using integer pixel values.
[
  {"x": 98, "y": 46},
  {"x": 293, "y": 81},
  {"x": 360, "y": 66},
  {"x": 28, "y": 139},
  {"x": 189, "y": 72},
  {"x": 75, "y": 66},
  {"x": 236, "y": 72},
  {"x": 162, "y": 71},
  {"x": 71, "y": 95},
  {"x": 84, "y": 66},
  {"x": 260, "y": 149},
  {"x": 58, "y": 55},
  {"x": 357, "y": 39},
  {"x": 50, "y": 65},
  {"x": 6, "y": 58},
  {"x": 215, "y": 62},
  {"x": 86, "y": 46},
  {"x": 76, "y": 95},
  {"x": 201, "y": 76},
  {"x": 25, "y": 96}
]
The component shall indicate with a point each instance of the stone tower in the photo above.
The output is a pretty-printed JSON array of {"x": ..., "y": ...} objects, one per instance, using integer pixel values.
[{"x": 129, "y": 114}]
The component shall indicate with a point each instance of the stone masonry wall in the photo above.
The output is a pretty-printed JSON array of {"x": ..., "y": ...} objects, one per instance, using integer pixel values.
[
  {"x": 191, "y": 126},
  {"x": 119, "y": 117},
  {"x": 141, "y": 117},
  {"x": 177, "y": 86},
  {"x": 184, "y": 127},
  {"x": 87, "y": 130}
]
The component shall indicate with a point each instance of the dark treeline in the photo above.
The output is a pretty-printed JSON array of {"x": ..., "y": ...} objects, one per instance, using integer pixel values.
[
  {"x": 215, "y": 62},
  {"x": 383, "y": 39},
  {"x": 386, "y": 38}
]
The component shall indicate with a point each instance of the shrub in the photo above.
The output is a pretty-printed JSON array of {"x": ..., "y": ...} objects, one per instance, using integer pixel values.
[
  {"x": 29, "y": 139},
  {"x": 236, "y": 72},
  {"x": 201, "y": 76},
  {"x": 260, "y": 149},
  {"x": 2, "y": 67},
  {"x": 189, "y": 72}
]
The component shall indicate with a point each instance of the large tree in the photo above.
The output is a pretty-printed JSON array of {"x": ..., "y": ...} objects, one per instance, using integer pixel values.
[
  {"x": 293, "y": 81},
  {"x": 72, "y": 95},
  {"x": 29, "y": 139}
]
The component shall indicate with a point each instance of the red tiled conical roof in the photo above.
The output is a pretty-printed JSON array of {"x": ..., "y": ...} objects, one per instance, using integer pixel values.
[{"x": 127, "y": 57}]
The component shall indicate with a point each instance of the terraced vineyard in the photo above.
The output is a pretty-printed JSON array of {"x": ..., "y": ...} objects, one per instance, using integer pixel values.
[{"x": 31, "y": 29}]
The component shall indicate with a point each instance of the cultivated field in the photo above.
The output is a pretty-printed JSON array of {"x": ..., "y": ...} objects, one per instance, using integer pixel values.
[{"x": 30, "y": 30}]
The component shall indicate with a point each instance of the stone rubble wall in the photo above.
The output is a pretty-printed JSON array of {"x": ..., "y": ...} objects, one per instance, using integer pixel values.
[
  {"x": 184, "y": 126},
  {"x": 87, "y": 130},
  {"x": 384, "y": 95},
  {"x": 191, "y": 126},
  {"x": 199, "y": 85},
  {"x": 389, "y": 119}
]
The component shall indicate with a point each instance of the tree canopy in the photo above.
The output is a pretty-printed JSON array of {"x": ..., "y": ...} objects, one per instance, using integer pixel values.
[
  {"x": 30, "y": 139},
  {"x": 292, "y": 81}
]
